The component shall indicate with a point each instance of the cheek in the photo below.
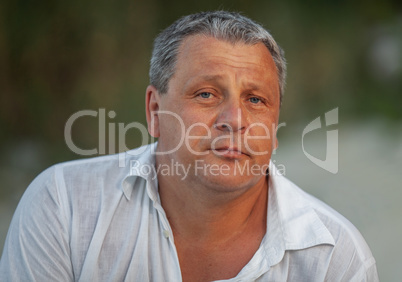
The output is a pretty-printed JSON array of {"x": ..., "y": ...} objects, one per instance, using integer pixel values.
[
  {"x": 171, "y": 131},
  {"x": 198, "y": 135},
  {"x": 260, "y": 136}
]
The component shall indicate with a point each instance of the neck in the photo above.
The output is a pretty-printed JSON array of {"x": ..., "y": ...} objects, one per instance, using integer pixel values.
[{"x": 196, "y": 212}]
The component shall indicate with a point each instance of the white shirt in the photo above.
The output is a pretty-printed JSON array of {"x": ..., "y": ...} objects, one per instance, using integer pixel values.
[{"x": 101, "y": 219}]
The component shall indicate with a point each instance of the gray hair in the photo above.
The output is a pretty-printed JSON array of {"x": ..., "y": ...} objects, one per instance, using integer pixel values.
[{"x": 222, "y": 25}]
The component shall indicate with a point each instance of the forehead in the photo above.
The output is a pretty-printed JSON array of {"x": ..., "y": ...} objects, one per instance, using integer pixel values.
[
  {"x": 206, "y": 55},
  {"x": 199, "y": 44}
]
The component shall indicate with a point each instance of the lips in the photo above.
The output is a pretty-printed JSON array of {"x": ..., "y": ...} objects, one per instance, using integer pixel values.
[{"x": 230, "y": 152}]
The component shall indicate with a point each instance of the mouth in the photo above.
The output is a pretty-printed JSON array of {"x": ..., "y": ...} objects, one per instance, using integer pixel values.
[{"x": 229, "y": 152}]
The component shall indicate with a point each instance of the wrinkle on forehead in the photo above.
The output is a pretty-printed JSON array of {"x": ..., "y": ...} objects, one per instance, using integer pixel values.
[{"x": 198, "y": 56}]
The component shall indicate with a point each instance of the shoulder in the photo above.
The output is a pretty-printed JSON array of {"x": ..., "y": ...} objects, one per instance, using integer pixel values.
[
  {"x": 59, "y": 212},
  {"x": 345, "y": 234},
  {"x": 99, "y": 171},
  {"x": 350, "y": 257},
  {"x": 83, "y": 180}
]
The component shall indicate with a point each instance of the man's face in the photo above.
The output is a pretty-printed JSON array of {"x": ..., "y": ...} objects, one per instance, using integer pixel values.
[{"x": 220, "y": 113}]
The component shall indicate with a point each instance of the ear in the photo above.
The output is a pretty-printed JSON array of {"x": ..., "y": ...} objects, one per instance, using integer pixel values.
[{"x": 152, "y": 101}]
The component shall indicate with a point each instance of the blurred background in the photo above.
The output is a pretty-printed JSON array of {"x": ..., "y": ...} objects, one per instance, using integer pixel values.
[{"x": 61, "y": 57}]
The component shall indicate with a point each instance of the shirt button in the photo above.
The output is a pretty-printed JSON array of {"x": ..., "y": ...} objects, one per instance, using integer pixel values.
[{"x": 166, "y": 233}]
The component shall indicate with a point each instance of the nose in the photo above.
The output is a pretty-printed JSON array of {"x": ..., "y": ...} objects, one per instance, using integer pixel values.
[{"x": 232, "y": 117}]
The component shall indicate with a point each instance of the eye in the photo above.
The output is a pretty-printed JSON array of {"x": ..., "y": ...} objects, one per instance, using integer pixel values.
[
  {"x": 205, "y": 95},
  {"x": 254, "y": 100}
]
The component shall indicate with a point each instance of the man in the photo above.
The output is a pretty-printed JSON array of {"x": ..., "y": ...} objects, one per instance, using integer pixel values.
[{"x": 202, "y": 204}]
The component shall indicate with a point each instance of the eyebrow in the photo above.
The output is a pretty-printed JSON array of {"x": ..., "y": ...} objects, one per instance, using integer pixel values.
[
  {"x": 250, "y": 85},
  {"x": 209, "y": 78},
  {"x": 212, "y": 77}
]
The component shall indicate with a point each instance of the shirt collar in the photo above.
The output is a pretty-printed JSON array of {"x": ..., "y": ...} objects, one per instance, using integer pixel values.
[
  {"x": 292, "y": 223},
  {"x": 140, "y": 163}
]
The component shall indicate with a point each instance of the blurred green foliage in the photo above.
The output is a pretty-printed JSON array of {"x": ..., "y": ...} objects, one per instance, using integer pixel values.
[{"x": 59, "y": 57}]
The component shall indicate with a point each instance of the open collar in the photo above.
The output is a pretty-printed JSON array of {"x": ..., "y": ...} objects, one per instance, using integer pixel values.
[
  {"x": 292, "y": 223},
  {"x": 140, "y": 164}
]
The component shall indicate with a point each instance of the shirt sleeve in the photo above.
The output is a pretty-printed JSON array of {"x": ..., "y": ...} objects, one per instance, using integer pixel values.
[{"x": 37, "y": 243}]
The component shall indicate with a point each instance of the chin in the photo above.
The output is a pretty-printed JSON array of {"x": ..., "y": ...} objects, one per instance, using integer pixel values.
[{"x": 228, "y": 183}]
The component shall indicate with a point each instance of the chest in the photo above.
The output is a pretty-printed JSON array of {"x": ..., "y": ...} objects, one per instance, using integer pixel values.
[{"x": 215, "y": 261}]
